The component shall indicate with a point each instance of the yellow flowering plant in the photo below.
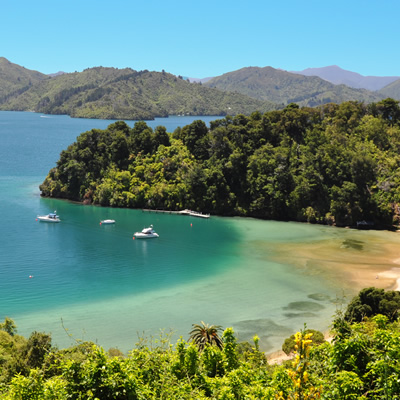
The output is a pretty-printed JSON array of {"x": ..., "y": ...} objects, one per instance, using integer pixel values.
[{"x": 301, "y": 389}]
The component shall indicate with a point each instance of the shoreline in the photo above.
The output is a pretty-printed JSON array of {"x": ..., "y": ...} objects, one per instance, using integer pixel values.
[
  {"x": 356, "y": 263},
  {"x": 376, "y": 265},
  {"x": 391, "y": 276}
]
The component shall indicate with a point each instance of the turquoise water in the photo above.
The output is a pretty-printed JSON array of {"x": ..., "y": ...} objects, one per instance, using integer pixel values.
[{"x": 85, "y": 281}]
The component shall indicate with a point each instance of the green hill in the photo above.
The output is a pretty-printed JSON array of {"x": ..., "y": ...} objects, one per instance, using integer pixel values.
[
  {"x": 284, "y": 87},
  {"x": 111, "y": 93},
  {"x": 392, "y": 90},
  {"x": 15, "y": 79}
]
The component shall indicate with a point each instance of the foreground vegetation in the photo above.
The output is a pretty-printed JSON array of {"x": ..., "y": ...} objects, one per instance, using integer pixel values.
[
  {"x": 361, "y": 362},
  {"x": 337, "y": 164}
]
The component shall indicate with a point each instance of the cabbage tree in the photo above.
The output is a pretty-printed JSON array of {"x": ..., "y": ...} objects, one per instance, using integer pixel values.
[{"x": 203, "y": 334}]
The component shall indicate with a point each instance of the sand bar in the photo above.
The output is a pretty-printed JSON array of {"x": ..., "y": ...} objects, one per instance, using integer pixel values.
[{"x": 358, "y": 261}]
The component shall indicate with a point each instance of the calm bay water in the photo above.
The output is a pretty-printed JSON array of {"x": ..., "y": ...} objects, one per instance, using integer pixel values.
[{"x": 100, "y": 285}]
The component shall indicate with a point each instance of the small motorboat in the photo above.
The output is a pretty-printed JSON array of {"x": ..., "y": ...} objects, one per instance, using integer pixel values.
[
  {"x": 146, "y": 233},
  {"x": 107, "y": 222},
  {"x": 52, "y": 217}
]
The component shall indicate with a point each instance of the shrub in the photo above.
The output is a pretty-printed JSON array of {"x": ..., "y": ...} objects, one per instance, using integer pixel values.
[{"x": 290, "y": 343}]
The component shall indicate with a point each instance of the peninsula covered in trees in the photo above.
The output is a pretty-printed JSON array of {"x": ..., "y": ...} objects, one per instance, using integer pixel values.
[{"x": 335, "y": 164}]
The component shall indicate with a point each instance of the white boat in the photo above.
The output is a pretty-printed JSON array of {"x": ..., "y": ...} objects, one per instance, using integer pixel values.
[
  {"x": 107, "y": 222},
  {"x": 147, "y": 233},
  {"x": 52, "y": 217}
]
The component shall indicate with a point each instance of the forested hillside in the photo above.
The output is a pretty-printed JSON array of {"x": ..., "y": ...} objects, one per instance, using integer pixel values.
[
  {"x": 392, "y": 90},
  {"x": 336, "y": 164},
  {"x": 15, "y": 79},
  {"x": 111, "y": 93},
  {"x": 360, "y": 362},
  {"x": 283, "y": 87}
]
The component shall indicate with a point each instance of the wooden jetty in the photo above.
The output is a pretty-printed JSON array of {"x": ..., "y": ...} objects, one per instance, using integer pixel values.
[{"x": 182, "y": 212}]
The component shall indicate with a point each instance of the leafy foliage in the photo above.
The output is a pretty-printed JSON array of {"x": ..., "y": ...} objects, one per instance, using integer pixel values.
[
  {"x": 289, "y": 345},
  {"x": 372, "y": 301},
  {"x": 358, "y": 365},
  {"x": 8, "y": 326},
  {"x": 204, "y": 334},
  {"x": 301, "y": 388},
  {"x": 20, "y": 355}
]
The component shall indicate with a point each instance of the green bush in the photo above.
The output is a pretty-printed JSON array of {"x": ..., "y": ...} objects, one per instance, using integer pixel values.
[
  {"x": 372, "y": 301},
  {"x": 288, "y": 346}
]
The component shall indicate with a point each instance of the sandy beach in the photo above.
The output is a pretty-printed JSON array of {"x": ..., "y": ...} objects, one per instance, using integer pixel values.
[
  {"x": 373, "y": 260},
  {"x": 393, "y": 274},
  {"x": 370, "y": 261},
  {"x": 278, "y": 357}
]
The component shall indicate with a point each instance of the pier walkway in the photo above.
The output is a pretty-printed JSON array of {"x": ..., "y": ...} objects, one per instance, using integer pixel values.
[{"x": 182, "y": 212}]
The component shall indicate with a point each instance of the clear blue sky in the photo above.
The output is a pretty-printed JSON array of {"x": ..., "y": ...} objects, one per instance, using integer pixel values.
[{"x": 202, "y": 38}]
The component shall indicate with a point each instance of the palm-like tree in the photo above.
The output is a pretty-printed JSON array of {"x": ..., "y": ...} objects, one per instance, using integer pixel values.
[{"x": 205, "y": 334}]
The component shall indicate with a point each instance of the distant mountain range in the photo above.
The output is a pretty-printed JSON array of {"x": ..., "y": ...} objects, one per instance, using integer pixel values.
[
  {"x": 112, "y": 93},
  {"x": 338, "y": 76},
  {"x": 56, "y": 74},
  {"x": 198, "y": 80},
  {"x": 284, "y": 87}
]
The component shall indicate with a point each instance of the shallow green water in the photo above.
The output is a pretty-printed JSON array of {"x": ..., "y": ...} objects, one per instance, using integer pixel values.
[{"x": 99, "y": 284}]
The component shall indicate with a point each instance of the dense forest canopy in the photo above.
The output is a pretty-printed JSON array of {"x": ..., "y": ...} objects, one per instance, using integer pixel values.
[{"x": 335, "y": 164}]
